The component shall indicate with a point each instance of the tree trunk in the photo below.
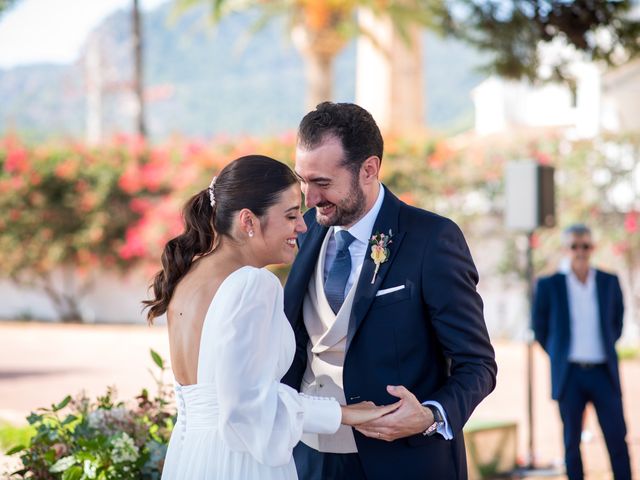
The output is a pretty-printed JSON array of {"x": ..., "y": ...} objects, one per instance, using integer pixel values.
[
  {"x": 138, "y": 79},
  {"x": 66, "y": 298},
  {"x": 318, "y": 71},
  {"x": 318, "y": 50},
  {"x": 62, "y": 288},
  {"x": 389, "y": 76},
  {"x": 93, "y": 69}
]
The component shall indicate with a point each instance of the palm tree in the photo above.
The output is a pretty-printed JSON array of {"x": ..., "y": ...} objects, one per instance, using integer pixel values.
[
  {"x": 321, "y": 28},
  {"x": 511, "y": 30}
]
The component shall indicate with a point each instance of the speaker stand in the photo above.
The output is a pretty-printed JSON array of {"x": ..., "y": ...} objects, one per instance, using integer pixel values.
[{"x": 532, "y": 469}]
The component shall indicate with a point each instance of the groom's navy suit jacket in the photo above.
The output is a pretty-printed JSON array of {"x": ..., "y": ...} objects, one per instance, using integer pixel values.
[
  {"x": 552, "y": 324},
  {"x": 430, "y": 336}
]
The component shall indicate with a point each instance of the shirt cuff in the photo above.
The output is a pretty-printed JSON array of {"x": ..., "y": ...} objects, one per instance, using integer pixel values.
[
  {"x": 321, "y": 414},
  {"x": 444, "y": 430}
]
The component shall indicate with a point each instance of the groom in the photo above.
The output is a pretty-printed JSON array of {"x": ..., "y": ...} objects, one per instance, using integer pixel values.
[{"x": 404, "y": 323}]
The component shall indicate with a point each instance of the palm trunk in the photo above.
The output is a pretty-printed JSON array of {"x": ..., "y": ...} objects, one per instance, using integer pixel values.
[
  {"x": 318, "y": 50},
  {"x": 319, "y": 75},
  {"x": 395, "y": 94}
]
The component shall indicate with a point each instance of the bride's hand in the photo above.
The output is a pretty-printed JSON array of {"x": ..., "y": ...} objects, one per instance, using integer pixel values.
[{"x": 365, "y": 412}]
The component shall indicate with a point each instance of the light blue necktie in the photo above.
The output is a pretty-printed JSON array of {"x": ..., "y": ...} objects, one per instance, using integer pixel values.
[{"x": 340, "y": 270}]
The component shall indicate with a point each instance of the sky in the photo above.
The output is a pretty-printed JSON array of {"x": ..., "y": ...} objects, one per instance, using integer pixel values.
[{"x": 53, "y": 31}]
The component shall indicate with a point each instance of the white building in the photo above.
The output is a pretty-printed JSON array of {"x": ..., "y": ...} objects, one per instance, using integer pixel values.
[{"x": 606, "y": 101}]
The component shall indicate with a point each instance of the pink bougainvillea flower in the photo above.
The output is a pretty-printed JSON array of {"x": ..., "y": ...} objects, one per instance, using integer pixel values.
[
  {"x": 631, "y": 222},
  {"x": 66, "y": 169},
  {"x": 542, "y": 158},
  {"x": 140, "y": 205},
  {"x": 288, "y": 138},
  {"x": 17, "y": 161},
  {"x": 535, "y": 241},
  {"x": 194, "y": 149},
  {"x": 88, "y": 201},
  {"x": 154, "y": 172},
  {"x": 135, "y": 144},
  {"x": 408, "y": 198},
  {"x": 440, "y": 156},
  {"x": 620, "y": 248},
  {"x": 35, "y": 178},
  {"x": 130, "y": 179},
  {"x": 17, "y": 183},
  {"x": 134, "y": 245}
]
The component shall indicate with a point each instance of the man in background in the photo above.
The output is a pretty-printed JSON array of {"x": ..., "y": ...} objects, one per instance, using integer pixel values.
[{"x": 577, "y": 318}]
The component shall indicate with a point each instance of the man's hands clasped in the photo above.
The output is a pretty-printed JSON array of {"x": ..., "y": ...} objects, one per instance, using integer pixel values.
[{"x": 401, "y": 419}]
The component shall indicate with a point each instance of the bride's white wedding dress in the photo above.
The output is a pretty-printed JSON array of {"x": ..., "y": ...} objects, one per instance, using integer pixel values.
[{"x": 238, "y": 421}]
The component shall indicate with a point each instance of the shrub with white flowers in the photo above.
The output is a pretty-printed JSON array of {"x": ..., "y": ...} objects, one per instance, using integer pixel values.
[{"x": 80, "y": 439}]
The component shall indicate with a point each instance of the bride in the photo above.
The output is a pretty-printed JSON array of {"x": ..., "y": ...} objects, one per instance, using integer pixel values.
[{"x": 229, "y": 339}]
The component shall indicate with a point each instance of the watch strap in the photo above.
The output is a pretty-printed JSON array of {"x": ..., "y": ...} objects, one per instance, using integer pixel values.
[{"x": 438, "y": 421}]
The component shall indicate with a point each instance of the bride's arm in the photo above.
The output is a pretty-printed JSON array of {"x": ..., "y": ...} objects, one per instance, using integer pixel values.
[{"x": 258, "y": 414}]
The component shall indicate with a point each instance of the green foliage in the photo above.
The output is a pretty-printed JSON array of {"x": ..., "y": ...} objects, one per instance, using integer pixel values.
[
  {"x": 511, "y": 31},
  {"x": 157, "y": 359},
  {"x": 628, "y": 353},
  {"x": 102, "y": 439},
  {"x": 11, "y": 435},
  {"x": 515, "y": 30}
]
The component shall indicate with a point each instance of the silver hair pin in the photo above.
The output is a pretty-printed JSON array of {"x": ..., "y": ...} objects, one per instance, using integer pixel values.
[{"x": 212, "y": 196}]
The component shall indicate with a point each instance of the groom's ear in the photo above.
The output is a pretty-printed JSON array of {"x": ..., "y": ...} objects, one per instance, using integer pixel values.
[{"x": 370, "y": 169}]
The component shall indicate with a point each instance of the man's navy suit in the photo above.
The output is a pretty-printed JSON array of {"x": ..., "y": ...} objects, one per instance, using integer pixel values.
[
  {"x": 575, "y": 384},
  {"x": 429, "y": 337}
]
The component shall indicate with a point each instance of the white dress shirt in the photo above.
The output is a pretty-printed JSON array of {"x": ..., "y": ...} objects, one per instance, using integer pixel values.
[
  {"x": 586, "y": 335},
  {"x": 362, "y": 231}
]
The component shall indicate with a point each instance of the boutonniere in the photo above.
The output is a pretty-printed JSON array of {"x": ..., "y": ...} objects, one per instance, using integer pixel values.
[{"x": 379, "y": 250}]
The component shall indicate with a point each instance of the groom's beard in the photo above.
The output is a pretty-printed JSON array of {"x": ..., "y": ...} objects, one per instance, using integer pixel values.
[{"x": 348, "y": 211}]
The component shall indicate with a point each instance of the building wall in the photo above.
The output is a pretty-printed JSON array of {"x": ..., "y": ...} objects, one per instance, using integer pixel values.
[{"x": 114, "y": 298}]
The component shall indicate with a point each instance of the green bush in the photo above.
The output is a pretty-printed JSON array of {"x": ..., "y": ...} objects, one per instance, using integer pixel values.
[
  {"x": 80, "y": 439},
  {"x": 80, "y": 210},
  {"x": 14, "y": 435}
]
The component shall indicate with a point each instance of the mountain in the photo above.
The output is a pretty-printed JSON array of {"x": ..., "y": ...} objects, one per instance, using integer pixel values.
[{"x": 205, "y": 80}]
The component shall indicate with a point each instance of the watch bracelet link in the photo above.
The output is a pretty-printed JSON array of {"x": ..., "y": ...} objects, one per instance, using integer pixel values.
[{"x": 438, "y": 421}]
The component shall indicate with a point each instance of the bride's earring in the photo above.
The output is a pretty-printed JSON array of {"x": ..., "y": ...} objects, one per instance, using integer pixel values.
[{"x": 250, "y": 233}]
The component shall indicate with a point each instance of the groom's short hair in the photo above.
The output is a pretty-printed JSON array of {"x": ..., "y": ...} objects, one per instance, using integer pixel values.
[{"x": 350, "y": 123}]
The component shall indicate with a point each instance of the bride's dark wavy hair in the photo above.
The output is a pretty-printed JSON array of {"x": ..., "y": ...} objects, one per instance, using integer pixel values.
[{"x": 254, "y": 182}]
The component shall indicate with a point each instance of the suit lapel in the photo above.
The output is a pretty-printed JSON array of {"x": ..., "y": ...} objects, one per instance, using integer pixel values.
[
  {"x": 564, "y": 305},
  {"x": 365, "y": 290},
  {"x": 302, "y": 269}
]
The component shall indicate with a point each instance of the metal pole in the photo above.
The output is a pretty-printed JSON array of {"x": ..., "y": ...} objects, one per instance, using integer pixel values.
[{"x": 530, "y": 340}]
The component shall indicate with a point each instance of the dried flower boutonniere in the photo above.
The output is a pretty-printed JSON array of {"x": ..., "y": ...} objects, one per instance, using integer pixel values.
[{"x": 379, "y": 250}]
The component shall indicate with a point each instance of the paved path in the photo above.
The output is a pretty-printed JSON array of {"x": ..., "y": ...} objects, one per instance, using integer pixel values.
[{"x": 41, "y": 363}]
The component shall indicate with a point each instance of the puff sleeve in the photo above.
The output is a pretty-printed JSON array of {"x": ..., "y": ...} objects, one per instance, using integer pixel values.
[{"x": 258, "y": 414}]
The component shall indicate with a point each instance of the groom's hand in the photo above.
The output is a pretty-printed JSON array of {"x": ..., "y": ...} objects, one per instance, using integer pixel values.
[{"x": 410, "y": 419}]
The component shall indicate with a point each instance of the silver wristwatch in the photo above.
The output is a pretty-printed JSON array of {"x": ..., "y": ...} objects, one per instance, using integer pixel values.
[{"x": 438, "y": 421}]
